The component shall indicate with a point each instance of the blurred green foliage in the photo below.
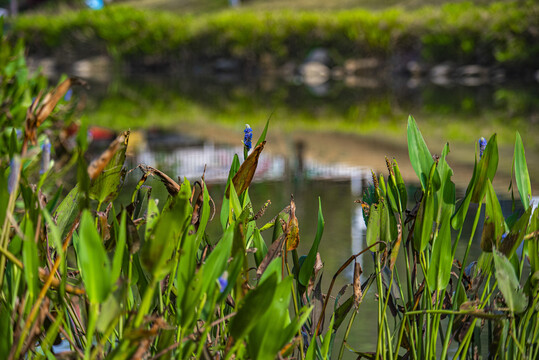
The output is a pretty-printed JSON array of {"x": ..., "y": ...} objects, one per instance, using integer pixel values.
[{"x": 501, "y": 33}]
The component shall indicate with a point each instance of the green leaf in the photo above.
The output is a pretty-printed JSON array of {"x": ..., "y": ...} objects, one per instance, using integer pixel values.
[
  {"x": 508, "y": 283},
  {"x": 262, "y": 137},
  {"x": 30, "y": 258},
  {"x": 324, "y": 350},
  {"x": 373, "y": 227},
  {"x": 441, "y": 261},
  {"x": 105, "y": 186},
  {"x": 67, "y": 211},
  {"x": 420, "y": 156},
  {"x": 253, "y": 306},
  {"x": 494, "y": 225},
  {"x": 120, "y": 248},
  {"x": 521, "y": 173},
  {"x": 225, "y": 207},
  {"x": 159, "y": 246},
  {"x": 486, "y": 169},
  {"x": 306, "y": 269},
  {"x": 92, "y": 260}
]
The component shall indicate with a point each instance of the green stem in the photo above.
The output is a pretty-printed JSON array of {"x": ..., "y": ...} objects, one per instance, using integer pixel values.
[
  {"x": 92, "y": 320},
  {"x": 452, "y": 318}
]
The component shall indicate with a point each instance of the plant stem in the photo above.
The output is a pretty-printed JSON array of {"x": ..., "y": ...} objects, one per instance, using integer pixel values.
[{"x": 452, "y": 317}]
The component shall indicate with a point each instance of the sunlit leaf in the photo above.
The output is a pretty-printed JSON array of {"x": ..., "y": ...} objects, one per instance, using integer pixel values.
[
  {"x": 521, "y": 173},
  {"x": 420, "y": 156}
]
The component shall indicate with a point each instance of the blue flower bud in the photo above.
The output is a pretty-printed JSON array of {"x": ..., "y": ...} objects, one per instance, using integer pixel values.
[
  {"x": 68, "y": 95},
  {"x": 248, "y": 137},
  {"x": 13, "y": 179},
  {"x": 223, "y": 281},
  {"x": 45, "y": 157},
  {"x": 482, "y": 146}
]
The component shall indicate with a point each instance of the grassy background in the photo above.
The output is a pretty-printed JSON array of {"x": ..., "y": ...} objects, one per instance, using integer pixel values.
[{"x": 498, "y": 33}]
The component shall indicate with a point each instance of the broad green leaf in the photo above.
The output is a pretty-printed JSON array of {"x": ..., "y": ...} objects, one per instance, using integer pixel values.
[
  {"x": 92, "y": 260},
  {"x": 253, "y": 307},
  {"x": 508, "y": 284},
  {"x": 158, "y": 248},
  {"x": 106, "y": 184},
  {"x": 441, "y": 261},
  {"x": 494, "y": 225},
  {"x": 373, "y": 227},
  {"x": 487, "y": 167},
  {"x": 266, "y": 338},
  {"x": 306, "y": 269},
  {"x": 67, "y": 211},
  {"x": 216, "y": 263},
  {"x": 30, "y": 258},
  {"x": 420, "y": 156},
  {"x": 521, "y": 173}
]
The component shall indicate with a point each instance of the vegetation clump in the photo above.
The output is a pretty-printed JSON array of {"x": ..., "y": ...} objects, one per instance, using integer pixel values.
[{"x": 132, "y": 280}]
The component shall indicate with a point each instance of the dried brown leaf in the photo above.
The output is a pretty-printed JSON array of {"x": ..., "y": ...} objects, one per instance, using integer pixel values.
[
  {"x": 96, "y": 167},
  {"x": 247, "y": 170}
]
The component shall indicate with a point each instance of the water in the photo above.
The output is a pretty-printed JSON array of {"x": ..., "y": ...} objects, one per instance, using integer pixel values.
[{"x": 322, "y": 144}]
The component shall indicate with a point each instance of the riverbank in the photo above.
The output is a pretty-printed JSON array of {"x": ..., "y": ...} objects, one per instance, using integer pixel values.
[{"x": 498, "y": 39}]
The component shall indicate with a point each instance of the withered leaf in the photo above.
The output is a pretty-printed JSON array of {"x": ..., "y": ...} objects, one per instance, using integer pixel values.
[
  {"x": 358, "y": 294},
  {"x": 274, "y": 251},
  {"x": 96, "y": 167},
  {"x": 36, "y": 115},
  {"x": 247, "y": 170},
  {"x": 172, "y": 187},
  {"x": 292, "y": 229}
]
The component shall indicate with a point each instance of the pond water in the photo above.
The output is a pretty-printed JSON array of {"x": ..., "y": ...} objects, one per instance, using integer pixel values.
[{"x": 322, "y": 144}]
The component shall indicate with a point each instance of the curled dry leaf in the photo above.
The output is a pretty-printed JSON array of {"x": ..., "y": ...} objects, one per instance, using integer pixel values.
[
  {"x": 247, "y": 170},
  {"x": 40, "y": 110},
  {"x": 96, "y": 167},
  {"x": 172, "y": 187},
  {"x": 292, "y": 229},
  {"x": 358, "y": 294}
]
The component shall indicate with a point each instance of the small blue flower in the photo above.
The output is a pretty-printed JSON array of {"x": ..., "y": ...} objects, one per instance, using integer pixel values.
[
  {"x": 482, "y": 145},
  {"x": 68, "y": 95},
  {"x": 223, "y": 281},
  {"x": 45, "y": 157},
  {"x": 13, "y": 180},
  {"x": 248, "y": 137}
]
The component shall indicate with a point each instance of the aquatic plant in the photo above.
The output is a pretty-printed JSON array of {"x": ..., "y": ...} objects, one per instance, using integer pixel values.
[{"x": 134, "y": 279}]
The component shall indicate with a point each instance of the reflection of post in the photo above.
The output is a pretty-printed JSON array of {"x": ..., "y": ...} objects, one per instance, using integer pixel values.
[
  {"x": 358, "y": 223},
  {"x": 300, "y": 147}
]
